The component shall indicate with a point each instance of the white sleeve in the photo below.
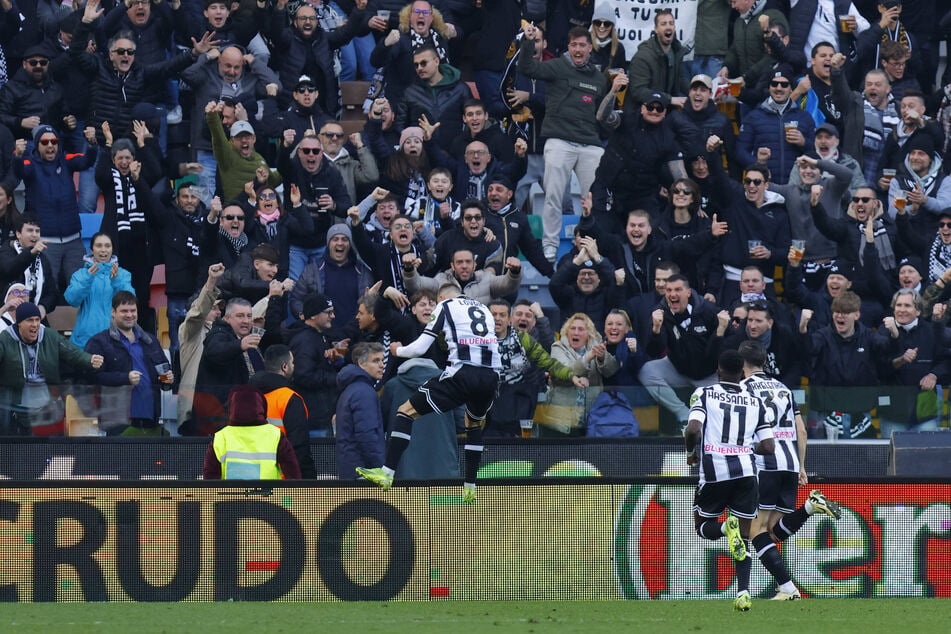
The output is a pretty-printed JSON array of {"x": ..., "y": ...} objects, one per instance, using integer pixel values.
[{"x": 418, "y": 348}]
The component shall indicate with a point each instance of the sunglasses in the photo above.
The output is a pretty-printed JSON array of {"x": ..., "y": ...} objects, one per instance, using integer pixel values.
[
  {"x": 422, "y": 64},
  {"x": 753, "y": 181},
  {"x": 306, "y": 90},
  {"x": 471, "y": 217},
  {"x": 310, "y": 150},
  {"x": 679, "y": 190},
  {"x": 52, "y": 141},
  {"x": 655, "y": 107},
  {"x": 861, "y": 199},
  {"x": 124, "y": 51},
  {"x": 944, "y": 224},
  {"x": 38, "y": 62},
  {"x": 332, "y": 135},
  {"x": 601, "y": 23},
  {"x": 267, "y": 195},
  {"x": 234, "y": 217},
  {"x": 779, "y": 84}
]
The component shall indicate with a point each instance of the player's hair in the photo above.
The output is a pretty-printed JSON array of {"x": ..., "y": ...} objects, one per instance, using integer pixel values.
[
  {"x": 753, "y": 353},
  {"x": 447, "y": 291},
  {"x": 122, "y": 297},
  {"x": 846, "y": 302},
  {"x": 275, "y": 356},
  {"x": 730, "y": 364},
  {"x": 594, "y": 337},
  {"x": 915, "y": 298},
  {"x": 678, "y": 278},
  {"x": 362, "y": 351},
  {"x": 623, "y": 314}
]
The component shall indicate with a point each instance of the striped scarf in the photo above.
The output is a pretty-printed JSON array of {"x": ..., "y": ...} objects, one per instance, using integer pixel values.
[{"x": 129, "y": 217}]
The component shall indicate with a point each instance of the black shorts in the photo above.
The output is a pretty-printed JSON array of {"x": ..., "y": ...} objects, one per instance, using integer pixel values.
[
  {"x": 739, "y": 495},
  {"x": 472, "y": 386},
  {"x": 778, "y": 490}
]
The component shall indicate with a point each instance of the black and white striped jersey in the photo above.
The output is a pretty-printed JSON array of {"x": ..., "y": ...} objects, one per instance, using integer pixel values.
[
  {"x": 470, "y": 333},
  {"x": 732, "y": 419},
  {"x": 779, "y": 398}
]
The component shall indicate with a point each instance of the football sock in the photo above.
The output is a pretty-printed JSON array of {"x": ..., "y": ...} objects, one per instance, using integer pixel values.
[
  {"x": 787, "y": 525},
  {"x": 473, "y": 452},
  {"x": 710, "y": 530},
  {"x": 399, "y": 440},
  {"x": 770, "y": 558},
  {"x": 743, "y": 569}
]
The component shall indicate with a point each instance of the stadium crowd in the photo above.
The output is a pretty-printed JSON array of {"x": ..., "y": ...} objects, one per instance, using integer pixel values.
[{"x": 786, "y": 185}]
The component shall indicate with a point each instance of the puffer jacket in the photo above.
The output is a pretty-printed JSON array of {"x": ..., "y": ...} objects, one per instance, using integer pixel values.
[
  {"x": 441, "y": 103},
  {"x": 21, "y": 98},
  {"x": 92, "y": 294},
  {"x": 764, "y": 127},
  {"x": 360, "y": 436},
  {"x": 50, "y": 192}
]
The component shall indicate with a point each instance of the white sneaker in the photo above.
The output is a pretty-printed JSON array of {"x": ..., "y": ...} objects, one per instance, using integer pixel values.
[
  {"x": 787, "y": 596},
  {"x": 174, "y": 115},
  {"x": 551, "y": 253}
]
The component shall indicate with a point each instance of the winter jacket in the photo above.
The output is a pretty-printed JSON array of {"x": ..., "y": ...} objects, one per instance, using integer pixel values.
[
  {"x": 21, "y": 97},
  {"x": 313, "y": 279},
  {"x": 299, "y": 119},
  {"x": 452, "y": 240},
  {"x": 52, "y": 350},
  {"x": 360, "y": 436},
  {"x": 689, "y": 338},
  {"x": 572, "y": 95},
  {"x": 50, "y": 192},
  {"x": 564, "y": 415},
  {"x": 234, "y": 170},
  {"x": 13, "y": 268},
  {"x": 92, "y": 294},
  {"x": 294, "y": 221},
  {"x": 803, "y": 14},
  {"x": 433, "y": 452},
  {"x": 763, "y": 127},
  {"x": 747, "y": 47},
  {"x": 901, "y": 384},
  {"x": 511, "y": 227},
  {"x": 595, "y": 305},
  {"x": 242, "y": 281},
  {"x": 294, "y": 421},
  {"x": 483, "y": 287},
  {"x": 652, "y": 71},
  {"x": 217, "y": 248},
  {"x": 180, "y": 234},
  {"x": 356, "y": 168},
  {"x": 113, "y": 376},
  {"x": 500, "y": 145},
  {"x": 326, "y": 180},
  {"x": 222, "y": 364},
  {"x": 441, "y": 103},
  {"x": 315, "y": 378}
]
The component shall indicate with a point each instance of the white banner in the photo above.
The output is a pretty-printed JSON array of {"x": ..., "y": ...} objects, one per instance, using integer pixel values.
[{"x": 635, "y": 20}]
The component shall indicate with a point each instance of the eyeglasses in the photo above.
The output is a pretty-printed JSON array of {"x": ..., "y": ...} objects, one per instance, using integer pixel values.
[
  {"x": 310, "y": 150},
  {"x": 469, "y": 217},
  {"x": 50, "y": 141},
  {"x": 422, "y": 64},
  {"x": 38, "y": 62},
  {"x": 267, "y": 195},
  {"x": 779, "y": 84},
  {"x": 894, "y": 63},
  {"x": 587, "y": 274},
  {"x": 141, "y": 2},
  {"x": 476, "y": 152},
  {"x": 861, "y": 199},
  {"x": 601, "y": 23},
  {"x": 234, "y": 217},
  {"x": 422, "y": 11},
  {"x": 306, "y": 90},
  {"x": 753, "y": 181},
  {"x": 307, "y": 18},
  {"x": 332, "y": 135},
  {"x": 944, "y": 224},
  {"x": 654, "y": 107},
  {"x": 124, "y": 51},
  {"x": 402, "y": 225},
  {"x": 19, "y": 293},
  {"x": 680, "y": 190}
]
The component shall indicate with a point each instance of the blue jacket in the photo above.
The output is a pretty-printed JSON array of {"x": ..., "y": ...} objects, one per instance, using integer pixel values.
[
  {"x": 764, "y": 128},
  {"x": 92, "y": 294},
  {"x": 360, "y": 439},
  {"x": 50, "y": 192}
]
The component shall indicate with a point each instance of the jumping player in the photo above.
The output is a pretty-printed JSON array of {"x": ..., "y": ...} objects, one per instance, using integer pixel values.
[
  {"x": 472, "y": 378},
  {"x": 727, "y": 426},
  {"x": 781, "y": 473}
]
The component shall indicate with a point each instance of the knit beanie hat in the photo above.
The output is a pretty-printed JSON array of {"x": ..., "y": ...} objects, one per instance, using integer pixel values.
[
  {"x": 27, "y": 310},
  {"x": 40, "y": 130},
  {"x": 411, "y": 131}
]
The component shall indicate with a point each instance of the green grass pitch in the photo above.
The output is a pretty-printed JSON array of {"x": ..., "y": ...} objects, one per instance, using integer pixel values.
[{"x": 921, "y": 616}]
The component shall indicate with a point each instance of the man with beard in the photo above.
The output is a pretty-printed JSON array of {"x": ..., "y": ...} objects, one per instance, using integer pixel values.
[
  {"x": 237, "y": 159},
  {"x": 31, "y": 97},
  {"x": 357, "y": 169},
  {"x": 778, "y": 340},
  {"x": 658, "y": 63},
  {"x": 528, "y": 316},
  {"x": 323, "y": 192},
  {"x": 922, "y": 183},
  {"x": 868, "y": 119},
  {"x": 482, "y": 286},
  {"x": 586, "y": 283},
  {"x": 827, "y": 149},
  {"x": 224, "y": 239},
  {"x": 304, "y": 113},
  {"x": 470, "y": 234},
  {"x": 31, "y": 355},
  {"x": 438, "y": 94},
  {"x": 386, "y": 260},
  {"x": 914, "y": 124},
  {"x": 510, "y": 224}
]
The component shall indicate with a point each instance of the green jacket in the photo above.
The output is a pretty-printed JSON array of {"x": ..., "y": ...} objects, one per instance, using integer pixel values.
[
  {"x": 572, "y": 95},
  {"x": 53, "y": 349},
  {"x": 712, "y": 36},
  {"x": 747, "y": 48},
  {"x": 537, "y": 354},
  {"x": 652, "y": 71},
  {"x": 234, "y": 169}
]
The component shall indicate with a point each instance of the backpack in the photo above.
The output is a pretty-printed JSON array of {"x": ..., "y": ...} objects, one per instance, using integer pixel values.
[{"x": 611, "y": 416}]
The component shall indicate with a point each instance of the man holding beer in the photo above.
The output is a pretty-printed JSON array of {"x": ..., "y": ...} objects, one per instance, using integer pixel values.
[{"x": 922, "y": 188}]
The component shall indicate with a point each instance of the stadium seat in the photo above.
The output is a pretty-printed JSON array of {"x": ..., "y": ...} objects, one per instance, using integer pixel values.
[
  {"x": 352, "y": 96},
  {"x": 63, "y": 319}
]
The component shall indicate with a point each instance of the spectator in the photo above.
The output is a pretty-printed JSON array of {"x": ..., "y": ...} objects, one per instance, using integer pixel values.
[
  {"x": 271, "y": 222},
  {"x": 586, "y": 283},
  {"x": 9, "y": 214},
  {"x": 16, "y": 294},
  {"x": 438, "y": 95},
  {"x": 827, "y": 149},
  {"x": 32, "y": 97},
  {"x": 749, "y": 30},
  {"x": 522, "y": 358},
  {"x": 237, "y": 160},
  {"x": 640, "y": 307},
  {"x": 31, "y": 356},
  {"x": 657, "y": 66},
  {"x": 783, "y": 356},
  {"x": 249, "y": 447},
  {"x": 385, "y": 208},
  {"x": 888, "y": 28},
  {"x": 224, "y": 239},
  {"x": 285, "y": 407},
  {"x": 196, "y": 324},
  {"x": 437, "y": 208},
  {"x": 712, "y": 38},
  {"x": 24, "y": 260},
  {"x": 359, "y": 429},
  {"x": 230, "y": 357},
  {"x": 894, "y": 57},
  {"x": 571, "y": 126},
  {"x": 494, "y": 25},
  {"x": 482, "y": 286},
  {"x": 581, "y": 349},
  {"x": 936, "y": 245},
  {"x": 92, "y": 288},
  {"x": 811, "y": 22},
  {"x": 478, "y": 167},
  {"x": 51, "y": 196},
  {"x": 838, "y": 280},
  {"x": 317, "y": 362},
  {"x": 386, "y": 260},
  {"x": 689, "y": 329},
  {"x": 373, "y": 331},
  {"x": 607, "y": 50},
  {"x": 358, "y": 169},
  {"x": 529, "y": 317},
  {"x": 914, "y": 125},
  {"x": 477, "y": 126},
  {"x": 700, "y": 112},
  {"x": 511, "y": 225},
  {"x": 621, "y": 342},
  {"x": 406, "y": 169},
  {"x": 133, "y": 373},
  {"x": 844, "y": 383},
  {"x": 813, "y": 91},
  {"x": 922, "y": 182},
  {"x": 381, "y": 136},
  {"x": 869, "y": 118},
  {"x": 682, "y": 219},
  {"x": 305, "y": 112},
  {"x": 250, "y": 278},
  {"x": 471, "y": 234},
  {"x": 777, "y": 131}
]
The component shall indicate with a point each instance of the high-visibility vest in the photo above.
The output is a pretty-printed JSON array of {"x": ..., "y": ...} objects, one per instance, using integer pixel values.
[
  {"x": 248, "y": 453},
  {"x": 277, "y": 401}
]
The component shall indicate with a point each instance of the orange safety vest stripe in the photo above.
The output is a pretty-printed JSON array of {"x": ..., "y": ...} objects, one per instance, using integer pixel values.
[{"x": 277, "y": 401}]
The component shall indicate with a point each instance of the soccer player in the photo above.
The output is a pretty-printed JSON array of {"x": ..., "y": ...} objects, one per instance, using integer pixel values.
[
  {"x": 471, "y": 379},
  {"x": 727, "y": 426},
  {"x": 781, "y": 473}
]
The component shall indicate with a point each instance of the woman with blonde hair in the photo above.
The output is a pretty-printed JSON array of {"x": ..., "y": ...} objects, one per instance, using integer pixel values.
[
  {"x": 581, "y": 349},
  {"x": 608, "y": 51}
]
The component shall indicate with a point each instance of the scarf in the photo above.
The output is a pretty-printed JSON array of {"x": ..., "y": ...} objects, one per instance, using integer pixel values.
[
  {"x": 778, "y": 108},
  {"x": 927, "y": 181},
  {"x": 939, "y": 259},
  {"x": 237, "y": 244},
  {"x": 129, "y": 217},
  {"x": 909, "y": 326},
  {"x": 3, "y": 67},
  {"x": 883, "y": 245},
  {"x": 944, "y": 118},
  {"x": 396, "y": 267},
  {"x": 269, "y": 222},
  {"x": 33, "y": 277},
  {"x": 417, "y": 40},
  {"x": 756, "y": 8},
  {"x": 766, "y": 338}
]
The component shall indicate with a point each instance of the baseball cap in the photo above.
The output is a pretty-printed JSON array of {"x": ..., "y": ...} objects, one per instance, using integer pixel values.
[{"x": 241, "y": 127}]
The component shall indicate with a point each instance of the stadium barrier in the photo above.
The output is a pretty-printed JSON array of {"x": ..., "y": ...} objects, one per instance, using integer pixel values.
[
  {"x": 561, "y": 539},
  {"x": 926, "y": 454}
]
